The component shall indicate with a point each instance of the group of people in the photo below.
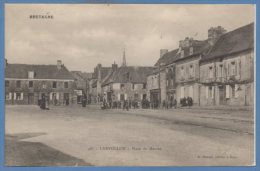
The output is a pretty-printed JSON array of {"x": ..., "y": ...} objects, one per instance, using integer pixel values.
[
  {"x": 129, "y": 104},
  {"x": 186, "y": 101},
  {"x": 44, "y": 102}
]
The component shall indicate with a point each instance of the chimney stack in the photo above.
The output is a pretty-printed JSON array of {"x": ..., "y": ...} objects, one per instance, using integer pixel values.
[
  {"x": 214, "y": 33},
  {"x": 59, "y": 64},
  {"x": 114, "y": 66}
]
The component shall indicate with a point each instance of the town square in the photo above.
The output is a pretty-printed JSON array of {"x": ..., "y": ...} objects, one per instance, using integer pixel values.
[{"x": 133, "y": 85}]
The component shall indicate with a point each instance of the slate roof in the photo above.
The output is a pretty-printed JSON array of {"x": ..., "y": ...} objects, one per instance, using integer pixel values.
[
  {"x": 238, "y": 40},
  {"x": 167, "y": 58},
  {"x": 199, "y": 47},
  {"x": 133, "y": 74},
  {"x": 41, "y": 71},
  {"x": 81, "y": 75}
]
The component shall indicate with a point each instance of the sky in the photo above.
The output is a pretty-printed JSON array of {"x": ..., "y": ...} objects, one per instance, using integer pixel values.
[{"x": 84, "y": 35}]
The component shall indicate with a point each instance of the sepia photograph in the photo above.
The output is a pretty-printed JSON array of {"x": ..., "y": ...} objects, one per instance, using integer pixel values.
[{"x": 129, "y": 84}]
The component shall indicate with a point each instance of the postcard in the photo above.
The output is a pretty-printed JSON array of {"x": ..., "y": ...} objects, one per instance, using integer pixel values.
[{"x": 129, "y": 84}]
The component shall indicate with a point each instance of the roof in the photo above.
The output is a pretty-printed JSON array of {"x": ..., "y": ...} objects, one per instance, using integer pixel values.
[
  {"x": 133, "y": 74},
  {"x": 167, "y": 58},
  {"x": 41, "y": 71},
  {"x": 105, "y": 72},
  {"x": 234, "y": 41},
  {"x": 199, "y": 47},
  {"x": 81, "y": 75}
]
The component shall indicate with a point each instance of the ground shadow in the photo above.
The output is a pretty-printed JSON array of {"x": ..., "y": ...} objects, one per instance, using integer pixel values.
[{"x": 22, "y": 153}]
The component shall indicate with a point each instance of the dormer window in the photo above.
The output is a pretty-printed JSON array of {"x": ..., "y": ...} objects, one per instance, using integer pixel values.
[
  {"x": 191, "y": 50},
  {"x": 182, "y": 53},
  {"x": 31, "y": 75}
]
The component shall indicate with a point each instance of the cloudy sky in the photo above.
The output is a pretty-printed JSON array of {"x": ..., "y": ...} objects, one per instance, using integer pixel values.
[{"x": 84, "y": 35}]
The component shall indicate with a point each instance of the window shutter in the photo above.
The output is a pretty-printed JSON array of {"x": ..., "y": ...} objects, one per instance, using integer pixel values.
[
  {"x": 182, "y": 92},
  {"x": 118, "y": 96},
  {"x": 236, "y": 93},
  {"x": 57, "y": 96},
  {"x": 227, "y": 91},
  {"x": 21, "y": 96},
  {"x": 14, "y": 96},
  {"x": 228, "y": 67},
  {"x": 191, "y": 92},
  {"x": 207, "y": 92},
  {"x": 10, "y": 96},
  {"x": 125, "y": 96},
  {"x": 212, "y": 92}
]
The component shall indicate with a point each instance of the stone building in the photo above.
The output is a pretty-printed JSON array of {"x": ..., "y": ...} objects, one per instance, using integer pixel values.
[
  {"x": 161, "y": 83},
  {"x": 95, "y": 83},
  {"x": 227, "y": 71},
  {"x": 126, "y": 83},
  {"x": 187, "y": 75},
  {"x": 82, "y": 82},
  {"x": 27, "y": 84}
]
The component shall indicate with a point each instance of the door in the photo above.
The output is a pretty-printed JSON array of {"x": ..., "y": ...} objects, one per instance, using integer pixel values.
[
  {"x": 66, "y": 98},
  {"x": 222, "y": 100},
  {"x": 30, "y": 98}
]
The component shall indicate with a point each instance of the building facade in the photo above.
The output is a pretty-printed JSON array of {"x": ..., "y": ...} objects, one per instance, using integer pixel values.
[
  {"x": 188, "y": 69},
  {"x": 227, "y": 72},
  {"x": 126, "y": 83},
  {"x": 27, "y": 84}
]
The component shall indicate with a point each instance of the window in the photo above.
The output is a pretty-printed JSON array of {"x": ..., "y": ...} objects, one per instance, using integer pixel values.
[
  {"x": 66, "y": 85},
  {"x": 233, "y": 68},
  {"x": 210, "y": 72},
  {"x": 133, "y": 86},
  {"x": 144, "y": 85},
  {"x": 18, "y": 84},
  {"x": 191, "y": 71},
  {"x": 44, "y": 86},
  {"x": 191, "y": 50},
  {"x": 30, "y": 84},
  {"x": 30, "y": 74},
  {"x": 182, "y": 72},
  {"x": 122, "y": 97},
  {"x": 233, "y": 91},
  {"x": 220, "y": 71},
  {"x": 54, "y": 84},
  {"x": 7, "y": 83},
  {"x": 167, "y": 83},
  {"x": 211, "y": 92},
  {"x": 136, "y": 96},
  {"x": 18, "y": 96},
  {"x": 122, "y": 86}
]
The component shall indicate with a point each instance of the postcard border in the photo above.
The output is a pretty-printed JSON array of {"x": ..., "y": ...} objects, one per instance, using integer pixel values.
[{"x": 91, "y": 168}]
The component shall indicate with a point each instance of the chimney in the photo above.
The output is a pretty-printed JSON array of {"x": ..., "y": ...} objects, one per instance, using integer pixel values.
[
  {"x": 214, "y": 33},
  {"x": 59, "y": 64},
  {"x": 114, "y": 66},
  {"x": 187, "y": 42},
  {"x": 163, "y": 52}
]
